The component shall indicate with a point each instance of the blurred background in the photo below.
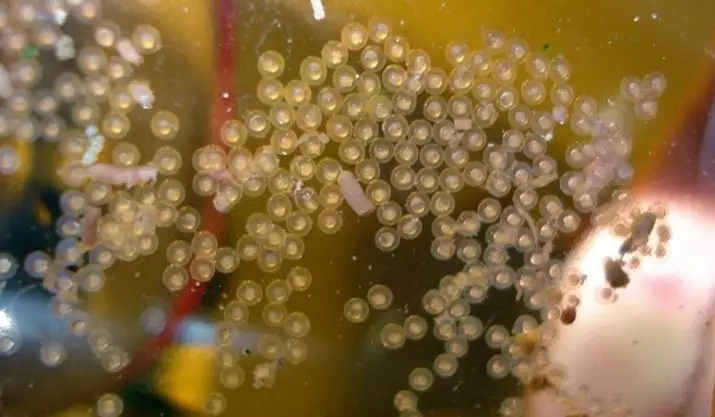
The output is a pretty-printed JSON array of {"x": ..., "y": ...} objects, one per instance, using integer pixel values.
[{"x": 347, "y": 372}]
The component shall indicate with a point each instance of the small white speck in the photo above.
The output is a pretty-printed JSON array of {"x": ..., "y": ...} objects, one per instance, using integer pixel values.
[
  {"x": 636, "y": 18},
  {"x": 224, "y": 95},
  {"x": 655, "y": 16}
]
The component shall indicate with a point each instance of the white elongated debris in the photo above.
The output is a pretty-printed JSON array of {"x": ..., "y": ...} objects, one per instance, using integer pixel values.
[
  {"x": 354, "y": 194},
  {"x": 117, "y": 175},
  {"x": 6, "y": 89},
  {"x": 96, "y": 144},
  {"x": 318, "y": 9},
  {"x": 90, "y": 224},
  {"x": 64, "y": 48},
  {"x": 129, "y": 52}
]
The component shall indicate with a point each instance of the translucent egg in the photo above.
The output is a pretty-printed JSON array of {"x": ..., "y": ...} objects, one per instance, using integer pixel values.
[
  {"x": 67, "y": 87},
  {"x": 249, "y": 292},
  {"x": 118, "y": 69},
  {"x": 271, "y": 64},
  {"x": 52, "y": 354},
  {"x": 269, "y": 346},
  {"x": 215, "y": 404},
  {"x": 498, "y": 366},
  {"x": 354, "y": 36},
  {"x": 420, "y": 379},
  {"x": 445, "y": 365},
  {"x": 313, "y": 71},
  {"x": 470, "y": 327},
  {"x": 270, "y": 261},
  {"x": 387, "y": 239},
  {"x": 236, "y": 312},
  {"x": 356, "y": 310},
  {"x": 405, "y": 401},
  {"x": 293, "y": 248},
  {"x": 274, "y": 314},
  {"x": 392, "y": 336},
  {"x": 278, "y": 291},
  {"x": 381, "y": 151},
  {"x": 168, "y": 160},
  {"x": 655, "y": 84},
  {"x": 110, "y": 405},
  {"x": 372, "y": 58},
  {"x": 299, "y": 278},
  {"x": 330, "y": 221},
  {"x": 294, "y": 351},
  {"x": 232, "y": 378},
  {"x": 433, "y": 302},
  {"x": 334, "y": 54},
  {"x": 495, "y": 336},
  {"x": 402, "y": 177},
  {"x": 202, "y": 269},
  {"x": 299, "y": 223},
  {"x": 164, "y": 125},
  {"x": 414, "y": 328},
  {"x": 296, "y": 324},
  {"x": 234, "y": 133},
  {"x": 91, "y": 60},
  {"x": 379, "y": 29},
  {"x": 187, "y": 219},
  {"x": 457, "y": 346}
]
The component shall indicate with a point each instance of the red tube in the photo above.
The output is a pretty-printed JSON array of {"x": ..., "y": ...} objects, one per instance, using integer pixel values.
[{"x": 224, "y": 97}]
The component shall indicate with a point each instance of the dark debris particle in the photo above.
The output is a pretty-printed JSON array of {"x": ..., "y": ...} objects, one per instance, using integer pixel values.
[
  {"x": 538, "y": 383},
  {"x": 568, "y": 316},
  {"x": 626, "y": 246},
  {"x": 615, "y": 275},
  {"x": 546, "y": 47},
  {"x": 641, "y": 229},
  {"x": 643, "y": 226}
]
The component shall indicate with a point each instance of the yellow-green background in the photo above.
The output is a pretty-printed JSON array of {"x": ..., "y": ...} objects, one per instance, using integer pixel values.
[{"x": 603, "y": 40}]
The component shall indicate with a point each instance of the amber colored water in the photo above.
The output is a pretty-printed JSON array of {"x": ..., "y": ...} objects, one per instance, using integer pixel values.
[{"x": 347, "y": 373}]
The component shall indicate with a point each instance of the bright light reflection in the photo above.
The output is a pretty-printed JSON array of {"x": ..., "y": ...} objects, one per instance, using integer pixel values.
[{"x": 6, "y": 322}]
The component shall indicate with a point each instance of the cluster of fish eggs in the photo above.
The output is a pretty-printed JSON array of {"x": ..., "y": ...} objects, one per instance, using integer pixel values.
[
  {"x": 80, "y": 108},
  {"x": 398, "y": 123}
]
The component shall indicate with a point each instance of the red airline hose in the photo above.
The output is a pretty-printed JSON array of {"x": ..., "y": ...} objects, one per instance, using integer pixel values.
[{"x": 222, "y": 109}]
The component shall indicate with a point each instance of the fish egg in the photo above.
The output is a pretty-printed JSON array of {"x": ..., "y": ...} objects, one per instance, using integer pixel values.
[
  {"x": 445, "y": 365},
  {"x": 294, "y": 351},
  {"x": 296, "y": 324},
  {"x": 274, "y": 314},
  {"x": 379, "y": 297},
  {"x": 236, "y": 312},
  {"x": 392, "y": 336},
  {"x": 109, "y": 405},
  {"x": 356, "y": 310}
]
